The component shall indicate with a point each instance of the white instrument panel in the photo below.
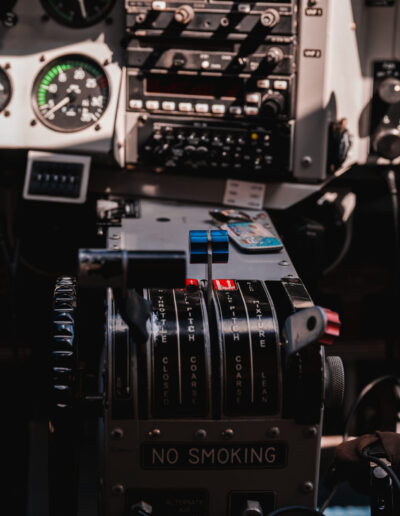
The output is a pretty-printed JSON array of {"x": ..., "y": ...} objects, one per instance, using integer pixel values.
[{"x": 32, "y": 43}]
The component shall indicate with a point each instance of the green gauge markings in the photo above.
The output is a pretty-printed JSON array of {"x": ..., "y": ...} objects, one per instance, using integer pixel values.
[
  {"x": 47, "y": 80},
  {"x": 71, "y": 93}
]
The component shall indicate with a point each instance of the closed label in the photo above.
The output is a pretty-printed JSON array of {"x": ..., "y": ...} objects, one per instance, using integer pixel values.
[{"x": 234, "y": 456}]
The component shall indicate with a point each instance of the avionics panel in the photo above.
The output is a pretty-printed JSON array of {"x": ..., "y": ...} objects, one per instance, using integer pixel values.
[{"x": 265, "y": 65}]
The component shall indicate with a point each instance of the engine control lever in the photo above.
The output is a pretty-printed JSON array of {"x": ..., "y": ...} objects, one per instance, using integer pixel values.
[
  {"x": 102, "y": 268},
  {"x": 209, "y": 247},
  {"x": 303, "y": 328}
]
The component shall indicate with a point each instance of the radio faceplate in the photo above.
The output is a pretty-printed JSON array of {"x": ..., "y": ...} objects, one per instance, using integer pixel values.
[
  {"x": 272, "y": 55},
  {"x": 257, "y": 152},
  {"x": 213, "y": 95}
]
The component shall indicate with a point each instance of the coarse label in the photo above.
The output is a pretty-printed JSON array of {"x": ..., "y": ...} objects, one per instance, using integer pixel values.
[
  {"x": 193, "y": 353},
  {"x": 179, "y": 341},
  {"x": 238, "y": 372},
  {"x": 250, "y": 344},
  {"x": 235, "y": 456}
]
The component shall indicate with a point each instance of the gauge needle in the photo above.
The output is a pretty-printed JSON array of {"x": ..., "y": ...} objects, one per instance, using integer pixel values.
[
  {"x": 61, "y": 104},
  {"x": 83, "y": 8}
]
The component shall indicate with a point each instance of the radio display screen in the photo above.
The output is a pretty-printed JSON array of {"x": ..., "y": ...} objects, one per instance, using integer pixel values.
[{"x": 194, "y": 86}]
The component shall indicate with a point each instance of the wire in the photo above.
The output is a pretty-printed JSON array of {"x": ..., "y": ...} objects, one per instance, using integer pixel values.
[
  {"x": 390, "y": 177},
  {"x": 328, "y": 499},
  {"x": 367, "y": 389},
  {"x": 283, "y": 510},
  {"x": 384, "y": 466},
  {"x": 345, "y": 248}
]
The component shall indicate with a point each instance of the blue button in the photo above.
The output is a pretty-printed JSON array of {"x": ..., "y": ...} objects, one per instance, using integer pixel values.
[{"x": 198, "y": 244}]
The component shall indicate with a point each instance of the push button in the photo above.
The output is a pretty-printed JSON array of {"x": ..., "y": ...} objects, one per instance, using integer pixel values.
[
  {"x": 168, "y": 106},
  {"x": 218, "y": 109},
  {"x": 152, "y": 104},
  {"x": 135, "y": 104},
  {"x": 201, "y": 108}
]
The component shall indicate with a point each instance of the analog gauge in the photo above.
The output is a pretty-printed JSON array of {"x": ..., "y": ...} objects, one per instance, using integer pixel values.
[
  {"x": 71, "y": 93},
  {"x": 5, "y": 89},
  {"x": 78, "y": 13}
]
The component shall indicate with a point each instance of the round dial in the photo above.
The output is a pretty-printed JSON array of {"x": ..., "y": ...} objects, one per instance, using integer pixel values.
[
  {"x": 71, "y": 93},
  {"x": 78, "y": 13},
  {"x": 5, "y": 89}
]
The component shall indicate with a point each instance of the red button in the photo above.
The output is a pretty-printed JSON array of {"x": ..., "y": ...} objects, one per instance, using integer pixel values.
[
  {"x": 224, "y": 284},
  {"x": 192, "y": 283}
]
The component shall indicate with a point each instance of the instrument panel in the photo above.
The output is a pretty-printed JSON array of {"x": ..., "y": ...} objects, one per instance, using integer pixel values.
[
  {"x": 60, "y": 74},
  {"x": 78, "y": 13},
  {"x": 173, "y": 88}
]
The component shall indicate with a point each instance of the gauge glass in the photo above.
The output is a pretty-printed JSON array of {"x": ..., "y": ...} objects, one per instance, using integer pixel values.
[
  {"x": 78, "y": 13},
  {"x": 71, "y": 93},
  {"x": 5, "y": 89}
]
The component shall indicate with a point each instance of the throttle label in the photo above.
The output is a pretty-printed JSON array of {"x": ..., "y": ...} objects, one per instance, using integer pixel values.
[{"x": 180, "y": 350}]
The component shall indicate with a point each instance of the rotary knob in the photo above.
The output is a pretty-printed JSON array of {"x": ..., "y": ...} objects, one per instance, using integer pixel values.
[
  {"x": 270, "y": 18},
  {"x": 63, "y": 352},
  {"x": 274, "y": 56},
  {"x": 253, "y": 508},
  {"x": 386, "y": 143},
  {"x": 334, "y": 382},
  {"x": 272, "y": 104},
  {"x": 184, "y": 14},
  {"x": 389, "y": 91},
  {"x": 141, "y": 509}
]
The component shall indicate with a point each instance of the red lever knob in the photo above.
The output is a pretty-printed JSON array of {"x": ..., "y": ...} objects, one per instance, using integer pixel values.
[{"x": 332, "y": 328}]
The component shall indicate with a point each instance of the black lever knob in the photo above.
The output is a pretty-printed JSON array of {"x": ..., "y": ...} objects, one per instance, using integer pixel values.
[
  {"x": 386, "y": 143},
  {"x": 272, "y": 104},
  {"x": 389, "y": 90}
]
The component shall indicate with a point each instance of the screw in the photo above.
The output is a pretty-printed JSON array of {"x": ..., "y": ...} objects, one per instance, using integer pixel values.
[
  {"x": 307, "y": 487},
  {"x": 42, "y": 59},
  {"x": 117, "y": 433},
  {"x": 115, "y": 236},
  {"x": 33, "y": 123},
  {"x": 307, "y": 161},
  {"x": 284, "y": 263},
  {"x": 311, "y": 431},
  {"x": 7, "y": 113},
  {"x": 97, "y": 127},
  {"x": 200, "y": 434},
  {"x": 228, "y": 433},
  {"x": 118, "y": 489},
  {"x": 274, "y": 431},
  {"x": 140, "y": 18},
  {"x": 224, "y": 22},
  {"x": 155, "y": 433}
]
